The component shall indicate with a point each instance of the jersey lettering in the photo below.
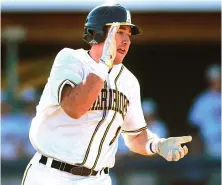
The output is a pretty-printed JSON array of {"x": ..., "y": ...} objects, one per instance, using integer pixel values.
[{"x": 107, "y": 100}]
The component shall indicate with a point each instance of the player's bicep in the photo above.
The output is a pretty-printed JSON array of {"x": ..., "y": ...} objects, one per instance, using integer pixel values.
[
  {"x": 64, "y": 88},
  {"x": 66, "y": 100},
  {"x": 65, "y": 94}
]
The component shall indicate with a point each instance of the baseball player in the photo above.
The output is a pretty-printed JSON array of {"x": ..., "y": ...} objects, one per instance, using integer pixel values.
[{"x": 89, "y": 99}]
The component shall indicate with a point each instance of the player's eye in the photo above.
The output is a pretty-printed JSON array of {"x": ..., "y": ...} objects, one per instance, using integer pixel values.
[{"x": 122, "y": 33}]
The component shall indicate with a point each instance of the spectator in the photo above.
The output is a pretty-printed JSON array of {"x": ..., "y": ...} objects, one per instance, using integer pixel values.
[{"x": 205, "y": 113}]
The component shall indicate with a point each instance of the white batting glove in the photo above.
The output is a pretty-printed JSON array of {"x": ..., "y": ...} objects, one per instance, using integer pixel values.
[
  {"x": 109, "y": 49},
  {"x": 171, "y": 148}
]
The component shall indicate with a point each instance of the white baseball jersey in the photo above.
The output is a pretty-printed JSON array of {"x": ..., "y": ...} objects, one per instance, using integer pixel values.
[{"x": 92, "y": 139}]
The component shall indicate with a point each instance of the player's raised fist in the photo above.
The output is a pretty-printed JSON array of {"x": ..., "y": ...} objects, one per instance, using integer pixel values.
[
  {"x": 109, "y": 48},
  {"x": 171, "y": 148}
]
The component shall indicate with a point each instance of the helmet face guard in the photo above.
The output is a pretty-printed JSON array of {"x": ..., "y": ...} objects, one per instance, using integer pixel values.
[{"x": 105, "y": 15}]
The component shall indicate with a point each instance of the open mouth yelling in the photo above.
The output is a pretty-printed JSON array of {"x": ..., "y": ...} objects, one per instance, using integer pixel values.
[{"x": 121, "y": 51}]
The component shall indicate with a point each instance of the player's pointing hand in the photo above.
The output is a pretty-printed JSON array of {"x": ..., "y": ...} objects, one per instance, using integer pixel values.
[{"x": 171, "y": 148}]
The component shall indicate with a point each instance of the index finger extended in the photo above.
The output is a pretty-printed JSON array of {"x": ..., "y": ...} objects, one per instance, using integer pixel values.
[
  {"x": 183, "y": 139},
  {"x": 113, "y": 29}
]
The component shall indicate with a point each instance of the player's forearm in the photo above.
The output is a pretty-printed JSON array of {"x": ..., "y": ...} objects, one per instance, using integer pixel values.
[
  {"x": 138, "y": 143},
  {"x": 78, "y": 100}
]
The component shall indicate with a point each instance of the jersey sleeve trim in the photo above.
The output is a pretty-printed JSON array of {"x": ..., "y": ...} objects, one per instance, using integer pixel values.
[
  {"x": 134, "y": 131},
  {"x": 64, "y": 82}
]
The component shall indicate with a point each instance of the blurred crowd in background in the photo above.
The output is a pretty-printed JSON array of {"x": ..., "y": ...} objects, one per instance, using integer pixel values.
[
  {"x": 15, "y": 124},
  {"x": 204, "y": 118}
]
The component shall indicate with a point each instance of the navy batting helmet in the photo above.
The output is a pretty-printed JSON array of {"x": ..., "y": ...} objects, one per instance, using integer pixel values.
[{"x": 105, "y": 15}]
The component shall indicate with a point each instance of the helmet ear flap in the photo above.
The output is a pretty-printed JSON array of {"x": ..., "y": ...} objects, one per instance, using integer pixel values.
[
  {"x": 88, "y": 35},
  {"x": 93, "y": 36}
]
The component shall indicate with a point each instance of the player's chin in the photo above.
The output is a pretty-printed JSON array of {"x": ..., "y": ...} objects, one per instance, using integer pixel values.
[{"x": 119, "y": 58}]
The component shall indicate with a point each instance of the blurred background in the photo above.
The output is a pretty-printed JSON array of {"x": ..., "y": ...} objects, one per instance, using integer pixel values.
[{"x": 177, "y": 62}]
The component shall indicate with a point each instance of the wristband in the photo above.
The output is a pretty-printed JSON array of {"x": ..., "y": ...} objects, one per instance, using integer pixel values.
[
  {"x": 152, "y": 146},
  {"x": 101, "y": 70}
]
